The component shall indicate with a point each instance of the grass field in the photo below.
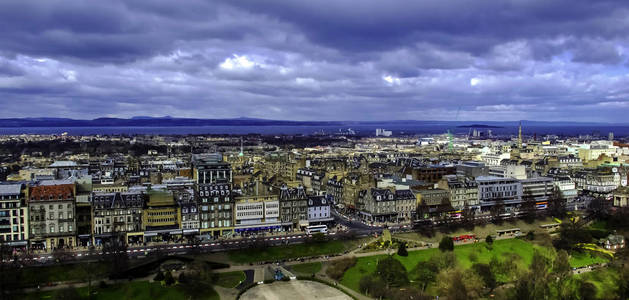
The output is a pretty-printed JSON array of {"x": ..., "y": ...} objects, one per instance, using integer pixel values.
[
  {"x": 307, "y": 268},
  {"x": 582, "y": 259},
  {"x": 32, "y": 276},
  {"x": 290, "y": 251},
  {"x": 466, "y": 255},
  {"x": 137, "y": 290},
  {"x": 230, "y": 279},
  {"x": 605, "y": 280}
]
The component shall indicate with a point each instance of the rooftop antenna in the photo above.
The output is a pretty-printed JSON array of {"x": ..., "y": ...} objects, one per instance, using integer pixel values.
[
  {"x": 241, "y": 154},
  {"x": 450, "y": 146},
  {"x": 520, "y": 135}
]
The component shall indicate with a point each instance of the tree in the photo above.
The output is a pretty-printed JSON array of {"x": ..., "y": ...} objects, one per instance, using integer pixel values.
[
  {"x": 115, "y": 251},
  {"x": 496, "y": 211},
  {"x": 444, "y": 260},
  {"x": 446, "y": 244},
  {"x": 401, "y": 250},
  {"x": 425, "y": 272},
  {"x": 456, "y": 284},
  {"x": 168, "y": 278},
  {"x": 598, "y": 208},
  {"x": 622, "y": 283},
  {"x": 10, "y": 272},
  {"x": 587, "y": 290},
  {"x": 373, "y": 286},
  {"x": 485, "y": 273},
  {"x": 199, "y": 277},
  {"x": 535, "y": 284},
  {"x": 572, "y": 233},
  {"x": 468, "y": 217},
  {"x": 337, "y": 268},
  {"x": 159, "y": 276},
  {"x": 392, "y": 272},
  {"x": 529, "y": 207},
  {"x": 561, "y": 265},
  {"x": 557, "y": 205},
  {"x": 89, "y": 269},
  {"x": 318, "y": 237}
]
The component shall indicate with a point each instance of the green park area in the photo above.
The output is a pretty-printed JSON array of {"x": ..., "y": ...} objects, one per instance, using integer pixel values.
[
  {"x": 229, "y": 279},
  {"x": 137, "y": 290},
  {"x": 307, "y": 268},
  {"x": 604, "y": 279},
  {"x": 41, "y": 275},
  {"x": 518, "y": 251}
]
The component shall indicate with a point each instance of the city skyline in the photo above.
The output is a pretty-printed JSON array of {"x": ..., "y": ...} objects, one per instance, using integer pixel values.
[{"x": 299, "y": 60}]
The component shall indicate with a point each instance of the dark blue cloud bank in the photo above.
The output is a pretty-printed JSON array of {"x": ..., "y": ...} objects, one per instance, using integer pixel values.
[{"x": 316, "y": 60}]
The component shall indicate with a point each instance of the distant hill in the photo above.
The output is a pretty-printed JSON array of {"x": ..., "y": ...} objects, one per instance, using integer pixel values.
[
  {"x": 168, "y": 121},
  {"x": 478, "y": 126}
]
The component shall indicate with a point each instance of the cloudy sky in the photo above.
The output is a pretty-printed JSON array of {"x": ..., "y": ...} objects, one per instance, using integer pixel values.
[{"x": 316, "y": 60}]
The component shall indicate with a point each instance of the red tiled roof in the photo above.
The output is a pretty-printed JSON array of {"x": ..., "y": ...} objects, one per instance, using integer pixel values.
[{"x": 44, "y": 192}]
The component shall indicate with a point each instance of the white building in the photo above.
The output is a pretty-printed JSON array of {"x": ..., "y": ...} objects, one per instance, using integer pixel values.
[
  {"x": 383, "y": 132},
  {"x": 318, "y": 210}
]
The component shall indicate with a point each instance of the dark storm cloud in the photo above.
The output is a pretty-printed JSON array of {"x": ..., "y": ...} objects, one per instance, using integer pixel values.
[{"x": 314, "y": 60}]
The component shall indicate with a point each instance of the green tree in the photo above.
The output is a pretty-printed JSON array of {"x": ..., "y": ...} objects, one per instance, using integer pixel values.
[
  {"x": 159, "y": 276},
  {"x": 446, "y": 244},
  {"x": 199, "y": 277},
  {"x": 535, "y": 284},
  {"x": 392, "y": 272},
  {"x": 561, "y": 265},
  {"x": 485, "y": 273},
  {"x": 557, "y": 205},
  {"x": 623, "y": 283},
  {"x": 444, "y": 260},
  {"x": 401, "y": 250},
  {"x": 489, "y": 240},
  {"x": 456, "y": 284},
  {"x": 587, "y": 290},
  {"x": 425, "y": 273},
  {"x": 168, "y": 278}
]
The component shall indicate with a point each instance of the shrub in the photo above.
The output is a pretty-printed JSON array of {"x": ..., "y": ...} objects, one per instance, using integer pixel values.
[
  {"x": 338, "y": 267},
  {"x": 530, "y": 236},
  {"x": 102, "y": 284},
  {"x": 392, "y": 272},
  {"x": 446, "y": 244},
  {"x": 168, "y": 278},
  {"x": 401, "y": 250},
  {"x": 159, "y": 276},
  {"x": 473, "y": 257}
]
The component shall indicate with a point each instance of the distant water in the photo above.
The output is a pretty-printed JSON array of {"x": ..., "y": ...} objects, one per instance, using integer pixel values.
[{"x": 619, "y": 131}]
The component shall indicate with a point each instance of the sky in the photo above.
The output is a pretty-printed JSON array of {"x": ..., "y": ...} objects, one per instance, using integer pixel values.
[{"x": 560, "y": 60}]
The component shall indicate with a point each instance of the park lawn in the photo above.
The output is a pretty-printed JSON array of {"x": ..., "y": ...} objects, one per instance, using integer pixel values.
[
  {"x": 582, "y": 259},
  {"x": 230, "y": 279},
  {"x": 307, "y": 268},
  {"x": 32, "y": 276},
  {"x": 605, "y": 280},
  {"x": 500, "y": 248},
  {"x": 137, "y": 290},
  {"x": 250, "y": 255}
]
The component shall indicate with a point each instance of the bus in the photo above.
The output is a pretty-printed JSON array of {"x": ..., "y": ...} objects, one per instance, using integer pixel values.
[{"x": 316, "y": 229}]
